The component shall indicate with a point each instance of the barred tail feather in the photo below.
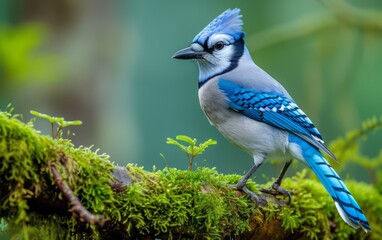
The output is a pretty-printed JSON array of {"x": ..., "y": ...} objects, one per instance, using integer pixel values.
[
  {"x": 345, "y": 217},
  {"x": 346, "y": 205}
]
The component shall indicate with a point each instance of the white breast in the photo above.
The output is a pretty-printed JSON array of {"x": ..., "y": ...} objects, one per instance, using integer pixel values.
[{"x": 252, "y": 136}]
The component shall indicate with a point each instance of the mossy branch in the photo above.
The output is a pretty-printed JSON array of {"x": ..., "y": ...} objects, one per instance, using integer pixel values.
[{"x": 36, "y": 200}]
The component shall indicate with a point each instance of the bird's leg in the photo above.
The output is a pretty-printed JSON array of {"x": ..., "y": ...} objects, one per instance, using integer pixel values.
[
  {"x": 241, "y": 184},
  {"x": 276, "y": 189}
]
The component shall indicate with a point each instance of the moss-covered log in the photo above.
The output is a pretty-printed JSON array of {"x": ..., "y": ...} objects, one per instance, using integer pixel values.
[{"x": 164, "y": 204}]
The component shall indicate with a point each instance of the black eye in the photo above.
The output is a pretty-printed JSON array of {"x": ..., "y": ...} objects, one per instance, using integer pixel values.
[{"x": 219, "y": 45}]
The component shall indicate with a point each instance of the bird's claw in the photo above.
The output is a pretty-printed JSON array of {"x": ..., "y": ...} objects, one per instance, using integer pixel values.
[
  {"x": 253, "y": 196},
  {"x": 277, "y": 190}
]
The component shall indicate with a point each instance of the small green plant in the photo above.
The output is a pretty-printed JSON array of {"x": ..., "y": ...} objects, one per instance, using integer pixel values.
[
  {"x": 192, "y": 149},
  {"x": 58, "y": 120}
]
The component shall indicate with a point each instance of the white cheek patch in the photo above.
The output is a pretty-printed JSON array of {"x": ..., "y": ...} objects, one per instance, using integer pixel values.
[
  {"x": 225, "y": 54},
  {"x": 212, "y": 60},
  {"x": 211, "y": 66},
  {"x": 217, "y": 61}
]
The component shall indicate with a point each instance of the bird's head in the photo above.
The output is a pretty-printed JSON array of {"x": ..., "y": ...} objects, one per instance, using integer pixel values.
[{"x": 218, "y": 47}]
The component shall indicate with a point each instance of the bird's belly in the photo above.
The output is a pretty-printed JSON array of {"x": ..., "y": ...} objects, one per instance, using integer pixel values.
[{"x": 252, "y": 136}]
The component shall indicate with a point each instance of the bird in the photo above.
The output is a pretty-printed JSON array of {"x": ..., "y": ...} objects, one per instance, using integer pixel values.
[{"x": 255, "y": 112}]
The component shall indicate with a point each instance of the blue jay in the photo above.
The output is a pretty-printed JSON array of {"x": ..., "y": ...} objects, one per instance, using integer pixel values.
[{"x": 255, "y": 112}]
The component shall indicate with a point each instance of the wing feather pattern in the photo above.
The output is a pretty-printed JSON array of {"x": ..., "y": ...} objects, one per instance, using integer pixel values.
[{"x": 273, "y": 109}]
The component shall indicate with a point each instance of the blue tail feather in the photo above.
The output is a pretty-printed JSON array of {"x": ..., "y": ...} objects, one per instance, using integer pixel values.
[{"x": 346, "y": 205}]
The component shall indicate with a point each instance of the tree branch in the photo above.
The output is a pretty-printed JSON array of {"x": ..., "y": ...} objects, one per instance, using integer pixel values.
[
  {"x": 138, "y": 204},
  {"x": 77, "y": 209}
]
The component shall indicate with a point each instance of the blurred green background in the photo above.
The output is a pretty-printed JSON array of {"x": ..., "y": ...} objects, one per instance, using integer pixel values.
[{"x": 108, "y": 63}]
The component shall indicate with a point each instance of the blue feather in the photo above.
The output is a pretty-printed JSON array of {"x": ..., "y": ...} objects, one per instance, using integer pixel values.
[
  {"x": 273, "y": 109},
  {"x": 229, "y": 22},
  {"x": 346, "y": 205}
]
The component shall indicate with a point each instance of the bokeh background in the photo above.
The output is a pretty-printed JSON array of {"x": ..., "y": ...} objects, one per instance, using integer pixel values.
[{"x": 108, "y": 63}]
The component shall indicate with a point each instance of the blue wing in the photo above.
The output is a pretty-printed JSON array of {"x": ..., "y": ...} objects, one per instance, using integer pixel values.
[{"x": 273, "y": 109}]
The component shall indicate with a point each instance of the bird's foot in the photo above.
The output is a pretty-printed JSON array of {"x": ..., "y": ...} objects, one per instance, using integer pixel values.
[
  {"x": 277, "y": 190},
  {"x": 240, "y": 187}
]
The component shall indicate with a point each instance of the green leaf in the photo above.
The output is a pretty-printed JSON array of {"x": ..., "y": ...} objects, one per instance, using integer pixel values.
[
  {"x": 43, "y": 116},
  {"x": 59, "y": 120},
  {"x": 191, "y": 150},
  {"x": 186, "y": 139},
  {"x": 71, "y": 123}
]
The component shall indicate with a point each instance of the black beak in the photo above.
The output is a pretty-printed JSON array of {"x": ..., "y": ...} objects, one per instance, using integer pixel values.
[{"x": 188, "y": 53}]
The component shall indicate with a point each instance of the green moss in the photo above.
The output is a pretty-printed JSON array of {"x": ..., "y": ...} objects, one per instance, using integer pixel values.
[
  {"x": 167, "y": 204},
  {"x": 22, "y": 154},
  {"x": 184, "y": 203},
  {"x": 312, "y": 211},
  {"x": 25, "y": 160}
]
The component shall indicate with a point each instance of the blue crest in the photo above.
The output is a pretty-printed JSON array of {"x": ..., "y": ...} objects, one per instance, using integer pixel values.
[{"x": 229, "y": 22}]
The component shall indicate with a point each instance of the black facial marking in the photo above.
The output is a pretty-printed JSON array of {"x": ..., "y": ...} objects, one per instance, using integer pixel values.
[{"x": 237, "y": 53}]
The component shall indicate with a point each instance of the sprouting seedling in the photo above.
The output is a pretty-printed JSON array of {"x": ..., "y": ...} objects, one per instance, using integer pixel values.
[
  {"x": 58, "y": 120},
  {"x": 191, "y": 150}
]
